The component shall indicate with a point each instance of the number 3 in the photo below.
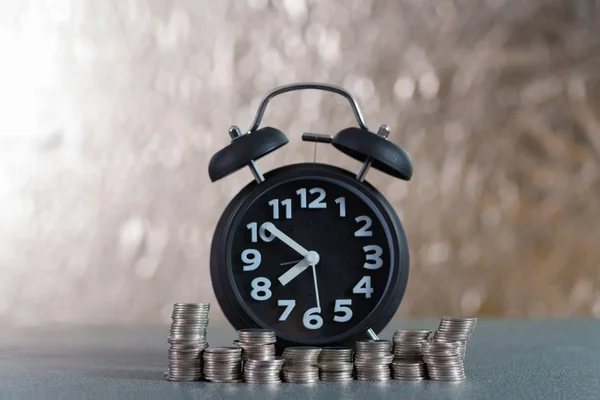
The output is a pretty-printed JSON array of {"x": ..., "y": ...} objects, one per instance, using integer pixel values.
[{"x": 373, "y": 256}]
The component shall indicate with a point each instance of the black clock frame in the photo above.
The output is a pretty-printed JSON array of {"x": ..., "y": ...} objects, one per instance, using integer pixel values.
[{"x": 228, "y": 296}]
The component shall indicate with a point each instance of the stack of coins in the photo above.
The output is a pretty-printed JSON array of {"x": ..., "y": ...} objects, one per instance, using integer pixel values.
[
  {"x": 407, "y": 344},
  {"x": 444, "y": 363},
  {"x": 223, "y": 364},
  {"x": 301, "y": 364},
  {"x": 409, "y": 370},
  {"x": 256, "y": 344},
  {"x": 372, "y": 360},
  {"x": 263, "y": 371},
  {"x": 300, "y": 373},
  {"x": 335, "y": 364},
  {"x": 456, "y": 329},
  {"x": 335, "y": 354},
  {"x": 336, "y": 372},
  {"x": 187, "y": 340}
]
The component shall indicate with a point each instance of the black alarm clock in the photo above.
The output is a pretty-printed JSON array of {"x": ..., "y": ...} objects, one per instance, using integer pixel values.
[{"x": 311, "y": 251}]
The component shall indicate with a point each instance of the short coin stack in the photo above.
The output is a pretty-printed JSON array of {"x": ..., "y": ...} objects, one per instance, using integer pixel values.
[
  {"x": 223, "y": 364},
  {"x": 263, "y": 371},
  {"x": 443, "y": 360},
  {"x": 301, "y": 364},
  {"x": 456, "y": 329},
  {"x": 335, "y": 364},
  {"x": 187, "y": 340},
  {"x": 256, "y": 344},
  {"x": 372, "y": 360}
]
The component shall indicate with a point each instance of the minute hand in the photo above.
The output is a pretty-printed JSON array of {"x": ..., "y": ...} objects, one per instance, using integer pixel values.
[{"x": 285, "y": 238}]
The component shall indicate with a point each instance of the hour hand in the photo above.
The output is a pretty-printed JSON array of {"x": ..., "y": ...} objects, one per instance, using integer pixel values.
[
  {"x": 311, "y": 259},
  {"x": 269, "y": 226},
  {"x": 294, "y": 271}
]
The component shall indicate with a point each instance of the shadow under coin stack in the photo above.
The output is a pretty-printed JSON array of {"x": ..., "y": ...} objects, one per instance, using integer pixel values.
[
  {"x": 372, "y": 360},
  {"x": 408, "y": 361},
  {"x": 335, "y": 364},
  {"x": 187, "y": 340},
  {"x": 300, "y": 364},
  {"x": 223, "y": 364},
  {"x": 456, "y": 329}
]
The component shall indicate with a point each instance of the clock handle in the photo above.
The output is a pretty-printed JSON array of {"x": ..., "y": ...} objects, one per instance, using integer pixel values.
[{"x": 303, "y": 86}]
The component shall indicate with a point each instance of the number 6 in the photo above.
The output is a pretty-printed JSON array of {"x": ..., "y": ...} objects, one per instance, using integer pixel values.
[{"x": 312, "y": 320}]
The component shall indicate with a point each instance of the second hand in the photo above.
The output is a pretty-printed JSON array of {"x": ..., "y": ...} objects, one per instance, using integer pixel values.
[{"x": 316, "y": 288}]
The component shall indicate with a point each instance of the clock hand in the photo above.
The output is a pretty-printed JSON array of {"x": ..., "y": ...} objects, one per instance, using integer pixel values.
[
  {"x": 290, "y": 262},
  {"x": 294, "y": 272},
  {"x": 316, "y": 287},
  {"x": 269, "y": 226},
  {"x": 311, "y": 259}
]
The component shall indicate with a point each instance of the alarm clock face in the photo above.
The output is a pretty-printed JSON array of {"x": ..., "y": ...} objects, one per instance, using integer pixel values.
[{"x": 311, "y": 253}]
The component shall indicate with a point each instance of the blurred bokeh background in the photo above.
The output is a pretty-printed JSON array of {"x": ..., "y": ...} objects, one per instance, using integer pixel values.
[{"x": 111, "y": 110}]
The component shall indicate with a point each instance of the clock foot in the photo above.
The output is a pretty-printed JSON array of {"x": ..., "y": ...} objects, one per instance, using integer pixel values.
[{"x": 372, "y": 334}]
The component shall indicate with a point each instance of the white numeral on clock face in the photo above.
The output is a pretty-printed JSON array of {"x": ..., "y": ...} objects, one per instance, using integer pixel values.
[
  {"x": 364, "y": 287},
  {"x": 251, "y": 258},
  {"x": 289, "y": 306},
  {"x": 341, "y": 306},
  {"x": 316, "y": 203},
  {"x": 364, "y": 231},
  {"x": 341, "y": 201},
  {"x": 261, "y": 289},
  {"x": 312, "y": 320},
  {"x": 373, "y": 257},
  {"x": 287, "y": 204},
  {"x": 265, "y": 235}
]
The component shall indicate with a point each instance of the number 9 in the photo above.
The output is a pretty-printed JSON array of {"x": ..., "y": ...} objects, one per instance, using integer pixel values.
[{"x": 251, "y": 258}]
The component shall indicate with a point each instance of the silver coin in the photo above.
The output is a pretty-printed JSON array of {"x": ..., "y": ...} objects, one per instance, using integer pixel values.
[
  {"x": 257, "y": 336},
  {"x": 307, "y": 355},
  {"x": 373, "y": 346},
  {"x": 336, "y": 366},
  {"x": 403, "y": 370},
  {"x": 263, "y": 371},
  {"x": 257, "y": 344},
  {"x": 335, "y": 354}
]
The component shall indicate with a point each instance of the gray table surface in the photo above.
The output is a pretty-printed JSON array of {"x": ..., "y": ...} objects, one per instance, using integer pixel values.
[{"x": 506, "y": 359}]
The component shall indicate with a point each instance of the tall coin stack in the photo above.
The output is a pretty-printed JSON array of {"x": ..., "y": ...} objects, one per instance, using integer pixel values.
[
  {"x": 223, "y": 364},
  {"x": 456, "y": 329},
  {"x": 300, "y": 364},
  {"x": 444, "y": 363},
  {"x": 256, "y": 344},
  {"x": 408, "y": 360},
  {"x": 335, "y": 364},
  {"x": 372, "y": 360},
  {"x": 187, "y": 340}
]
